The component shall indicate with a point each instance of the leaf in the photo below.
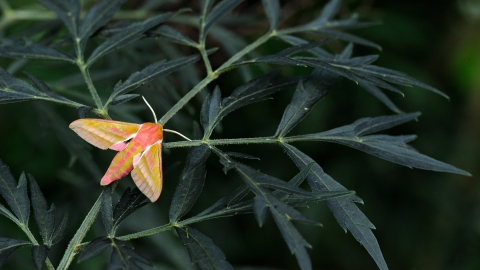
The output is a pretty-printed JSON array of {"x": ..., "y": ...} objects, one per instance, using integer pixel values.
[
  {"x": 128, "y": 35},
  {"x": 45, "y": 217},
  {"x": 173, "y": 35},
  {"x": 67, "y": 10},
  {"x": 39, "y": 254},
  {"x": 107, "y": 212},
  {"x": 4, "y": 211},
  {"x": 347, "y": 214},
  {"x": 97, "y": 17},
  {"x": 304, "y": 98},
  {"x": 202, "y": 250},
  {"x": 95, "y": 247},
  {"x": 260, "y": 209},
  {"x": 123, "y": 99},
  {"x": 191, "y": 182},
  {"x": 8, "y": 246},
  {"x": 329, "y": 11},
  {"x": 253, "y": 91},
  {"x": 15, "y": 195},
  {"x": 347, "y": 37},
  {"x": 60, "y": 230},
  {"x": 31, "y": 50},
  {"x": 131, "y": 201},
  {"x": 220, "y": 10},
  {"x": 124, "y": 257},
  {"x": 210, "y": 110},
  {"x": 317, "y": 51},
  {"x": 376, "y": 92},
  {"x": 151, "y": 72},
  {"x": 272, "y": 9},
  {"x": 15, "y": 90},
  {"x": 391, "y": 148}
]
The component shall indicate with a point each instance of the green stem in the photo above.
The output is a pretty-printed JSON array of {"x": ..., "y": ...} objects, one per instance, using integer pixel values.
[
  {"x": 91, "y": 87},
  {"x": 80, "y": 234},
  {"x": 258, "y": 140},
  {"x": 153, "y": 231}
]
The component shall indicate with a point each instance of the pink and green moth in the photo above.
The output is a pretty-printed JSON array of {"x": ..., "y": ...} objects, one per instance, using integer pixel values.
[{"x": 139, "y": 149}]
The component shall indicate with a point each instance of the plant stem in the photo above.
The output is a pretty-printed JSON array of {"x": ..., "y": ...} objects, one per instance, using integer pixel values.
[
  {"x": 156, "y": 230},
  {"x": 80, "y": 234}
]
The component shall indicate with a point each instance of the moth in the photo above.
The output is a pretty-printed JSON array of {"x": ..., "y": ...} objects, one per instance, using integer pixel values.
[{"x": 139, "y": 149}]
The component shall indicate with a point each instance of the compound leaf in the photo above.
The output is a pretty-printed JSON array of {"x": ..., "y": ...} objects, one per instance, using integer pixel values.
[
  {"x": 272, "y": 9},
  {"x": 45, "y": 217},
  {"x": 15, "y": 195},
  {"x": 31, "y": 50}
]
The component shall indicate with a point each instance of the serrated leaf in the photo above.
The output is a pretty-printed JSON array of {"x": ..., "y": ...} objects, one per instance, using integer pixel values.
[
  {"x": 8, "y": 246},
  {"x": 31, "y": 50},
  {"x": 39, "y": 254},
  {"x": 44, "y": 217},
  {"x": 123, "y": 99},
  {"x": 151, "y": 72},
  {"x": 60, "y": 230},
  {"x": 304, "y": 98},
  {"x": 67, "y": 10},
  {"x": 173, "y": 35},
  {"x": 15, "y": 90},
  {"x": 95, "y": 247},
  {"x": 107, "y": 210},
  {"x": 128, "y": 35},
  {"x": 202, "y": 250},
  {"x": 272, "y": 9},
  {"x": 97, "y": 17},
  {"x": 210, "y": 110},
  {"x": 391, "y": 148},
  {"x": 191, "y": 182},
  {"x": 15, "y": 195},
  {"x": 124, "y": 257},
  {"x": 220, "y": 10},
  {"x": 131, "y": 201},
  {"x": 347, "y": 214}
]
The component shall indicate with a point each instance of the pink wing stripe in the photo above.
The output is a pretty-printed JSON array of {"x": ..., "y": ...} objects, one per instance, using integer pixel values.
[
  {"x": 104, "y": 133},
  {"x": 147, "y": 173},
  {"x": 119, "y": 146}
]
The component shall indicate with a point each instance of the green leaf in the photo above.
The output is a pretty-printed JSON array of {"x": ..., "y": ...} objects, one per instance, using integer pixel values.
[
  {"x": 253, "y": 91},
  {"x": 124, "y": 257},
  {"x": 67, "y": 10},
  {"x": 83, "y": 111},
  {"x": 191, "y": 182},
  {"x": 260, "y": 209},
  {"x": 39, "y": 254},
  {"x": 304, "y": 98},
  {"x": 210, "y": 110},
  {"x": 31, "y": 50},
  {"x": 347, "y": 214},
  {"x": 391, "y": 148},
  {"x": 45, "y": 217},
  {"x": 107, "y": 210},
  {"x": 123, "y": 99},
  {"x": 202, "y": 250},
  {"x": 15, "y": 195},
  {"x": 317, "y": 51},
  {"x": 95, "y": 247},
  {"x": 347, "y": 37},
  {"x": 219, "y": 11},
  {"x": 329, "y": 11},
  {"x": 173, "y": 35},
  {"x": 131, "y": 201},
  {"x": 151, "y": 72},
  {"x": 4, "y": 211},
  {"x": 97, "y": 17},
  {"x": 8, "y": 246},
  {"x": 228, "y": 202},
  {"x": 272, "y": 9},
  {"x": 60, "y": 229},
  {"x": 376, "y": 92},
  {"x": 15, "y": 90},
  {"x": 128, "y": 35}
]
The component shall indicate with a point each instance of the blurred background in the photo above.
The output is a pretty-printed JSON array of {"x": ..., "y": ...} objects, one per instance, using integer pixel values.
[{"x": 424, "y": 220}]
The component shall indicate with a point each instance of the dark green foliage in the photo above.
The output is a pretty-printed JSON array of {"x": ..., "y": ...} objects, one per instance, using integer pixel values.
[
  {"x": 260, "y": 193},
  {"x": 202, "y": 250}
]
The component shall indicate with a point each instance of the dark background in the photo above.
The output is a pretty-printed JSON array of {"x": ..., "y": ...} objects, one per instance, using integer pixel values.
[{"x": 424, "y": 220}]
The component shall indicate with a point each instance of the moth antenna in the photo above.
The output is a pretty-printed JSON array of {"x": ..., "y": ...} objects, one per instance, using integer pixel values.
[
  {"x": 154, "y": 116},
  {"x": 176, "y": 132}
]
